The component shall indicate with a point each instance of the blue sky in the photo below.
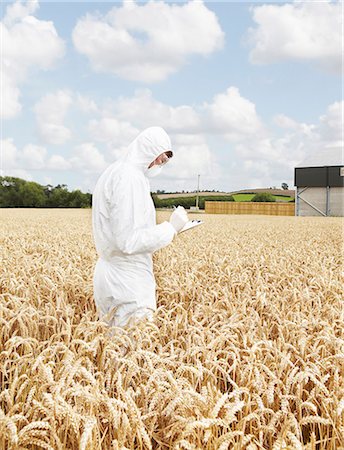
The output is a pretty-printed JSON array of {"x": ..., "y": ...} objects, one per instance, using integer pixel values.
[{"x": 246, "y": 91}]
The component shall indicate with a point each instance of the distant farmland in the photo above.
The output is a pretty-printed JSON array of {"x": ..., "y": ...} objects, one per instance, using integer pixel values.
[
  {"x": 189, "y": 199},
  {"x": 277, "y": 192}
]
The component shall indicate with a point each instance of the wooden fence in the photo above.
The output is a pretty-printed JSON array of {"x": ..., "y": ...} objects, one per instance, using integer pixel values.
[{"x": 267, "y": 208}]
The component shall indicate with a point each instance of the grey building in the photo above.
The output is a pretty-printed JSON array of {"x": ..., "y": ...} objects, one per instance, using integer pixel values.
[{"x": 319, "y": 183}]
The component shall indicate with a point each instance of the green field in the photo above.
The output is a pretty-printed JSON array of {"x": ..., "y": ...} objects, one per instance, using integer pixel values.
[
  {"x": 249, "y": 197},
  {"x": 189, "y": 201}
]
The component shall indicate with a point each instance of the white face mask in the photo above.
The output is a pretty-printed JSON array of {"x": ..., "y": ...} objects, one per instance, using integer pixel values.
[{"x": 153, "y": 171}]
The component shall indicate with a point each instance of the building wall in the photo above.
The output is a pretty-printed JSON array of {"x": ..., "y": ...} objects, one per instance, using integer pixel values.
[
  {"x": 317, "y": 197},
  {"x": 337, "y": 201}
]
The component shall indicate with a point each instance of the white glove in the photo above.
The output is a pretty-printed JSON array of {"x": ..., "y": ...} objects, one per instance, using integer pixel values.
[{"x": 179, "y": 218}]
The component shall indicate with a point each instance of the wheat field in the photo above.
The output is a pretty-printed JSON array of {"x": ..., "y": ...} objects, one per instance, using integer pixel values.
[{"x": 245, "y": 351}]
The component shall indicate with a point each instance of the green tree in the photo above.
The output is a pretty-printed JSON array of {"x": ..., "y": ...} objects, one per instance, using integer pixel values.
[
  {"x": 78, "y": 200},
  {"x": 59, "y": 197},
  {"x": 32, "y": 195},
  {"x": 263, "y": 197},
  {"x": 10, "y": 195},
  {"x": 15, "y": 192}
]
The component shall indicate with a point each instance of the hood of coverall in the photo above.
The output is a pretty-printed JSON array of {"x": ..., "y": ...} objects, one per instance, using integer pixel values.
[{"x": 147, "y": 146}]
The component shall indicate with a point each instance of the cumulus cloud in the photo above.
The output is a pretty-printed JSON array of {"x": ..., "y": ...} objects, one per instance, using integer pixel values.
[
  {"x": 287, "y": 123},
  {"x": 273, "y": 157},
  {"x": 129, "y": 116},
  {"x": 28, "y": 44},
  {"x": 224, "y": 140},
  {"x": 304, "y": 31},
  {"x": 233, "y": 116},
  {"x": 50, "y": 113},
  {"x": 112, "y": 131},
  {"x": 327, "y": 133},
  {"x": 58, "y": 162},
  {"x": 33, "y": 156},
  {"x": 331, "y": 125},
  {"x": 192, "y": 156},
  {"x": 147, "y": 42},
  {"x": 88, "y": 158},
  {"x": 276, "y": 155},
  {"x": 18, "y": 11},
  {"x": 144, "y": 110},
  {"x": 86, "y": 104},
  {"x": 15, "y": 163},
  {"x": 85, "y": 158},
  {"x": 9, "y": 154},
  {"x": 228, "y": 116}
]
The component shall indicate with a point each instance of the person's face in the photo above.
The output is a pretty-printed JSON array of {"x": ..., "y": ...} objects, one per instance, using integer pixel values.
[{"x": 161, "y": 159}]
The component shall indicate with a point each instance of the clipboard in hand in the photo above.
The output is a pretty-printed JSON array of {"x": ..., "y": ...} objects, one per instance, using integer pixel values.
[{"x": 191, "y": 224}]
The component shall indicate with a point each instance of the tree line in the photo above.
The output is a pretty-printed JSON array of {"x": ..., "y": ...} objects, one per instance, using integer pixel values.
[{"x": 19, "y": 193}]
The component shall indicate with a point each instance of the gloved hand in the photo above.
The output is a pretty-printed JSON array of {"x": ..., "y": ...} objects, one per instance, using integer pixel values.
[{"x": 179, "y": 218}]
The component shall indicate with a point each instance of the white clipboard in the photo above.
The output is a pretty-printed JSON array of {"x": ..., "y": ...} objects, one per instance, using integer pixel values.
[{"x": 191, "y": 224}]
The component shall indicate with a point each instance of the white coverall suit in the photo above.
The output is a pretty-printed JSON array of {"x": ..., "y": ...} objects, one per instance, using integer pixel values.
[{"x": 126, "y": 234}]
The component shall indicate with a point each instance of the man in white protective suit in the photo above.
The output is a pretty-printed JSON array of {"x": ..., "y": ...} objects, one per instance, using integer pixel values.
[{"x": 125, "y": 230}]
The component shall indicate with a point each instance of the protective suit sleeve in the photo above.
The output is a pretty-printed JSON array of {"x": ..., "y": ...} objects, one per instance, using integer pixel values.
[{"x": 132, "y": 225}]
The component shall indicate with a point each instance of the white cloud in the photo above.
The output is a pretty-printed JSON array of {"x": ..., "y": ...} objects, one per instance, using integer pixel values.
[
  {"x": 33, "y": 156},
  {"x": 272, "y": 159},
  {"x": 86, "y": 104},
  {"x": 114, "y": 132},
  {"x": 50, "y": 113},
  {"x": 119, "y": 126},
  {"x": 85, "y": 158},
  {"x": 228, "y": 114},
  {"x": 28, "y": 44},
  {"x": 259, "y": 168},
  {"x": 224, "y": 140},
  {"x": 233, "y": 116},
  {"x": 88, "y": 158},
  {"x": 275, "y": 157},
  {"x": 9, "y": 105},
  {"x": 331, "y": 125},
  {"x": 311, "y": 138},
  {"x": 304, "y": 31},
  {"x": 18, "y": 173},
  {"x": 12, "y": 161},
  {"x": 18, "y": 11},
  {"x": 145, "y": 111},
  {"x": 147, "y": 42},
  {"x": 286, "y": 122},
  {"x": 58, "y": 162},
  {"x": 191, "y": 156},
  {"x": 8, "y": 154}
]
